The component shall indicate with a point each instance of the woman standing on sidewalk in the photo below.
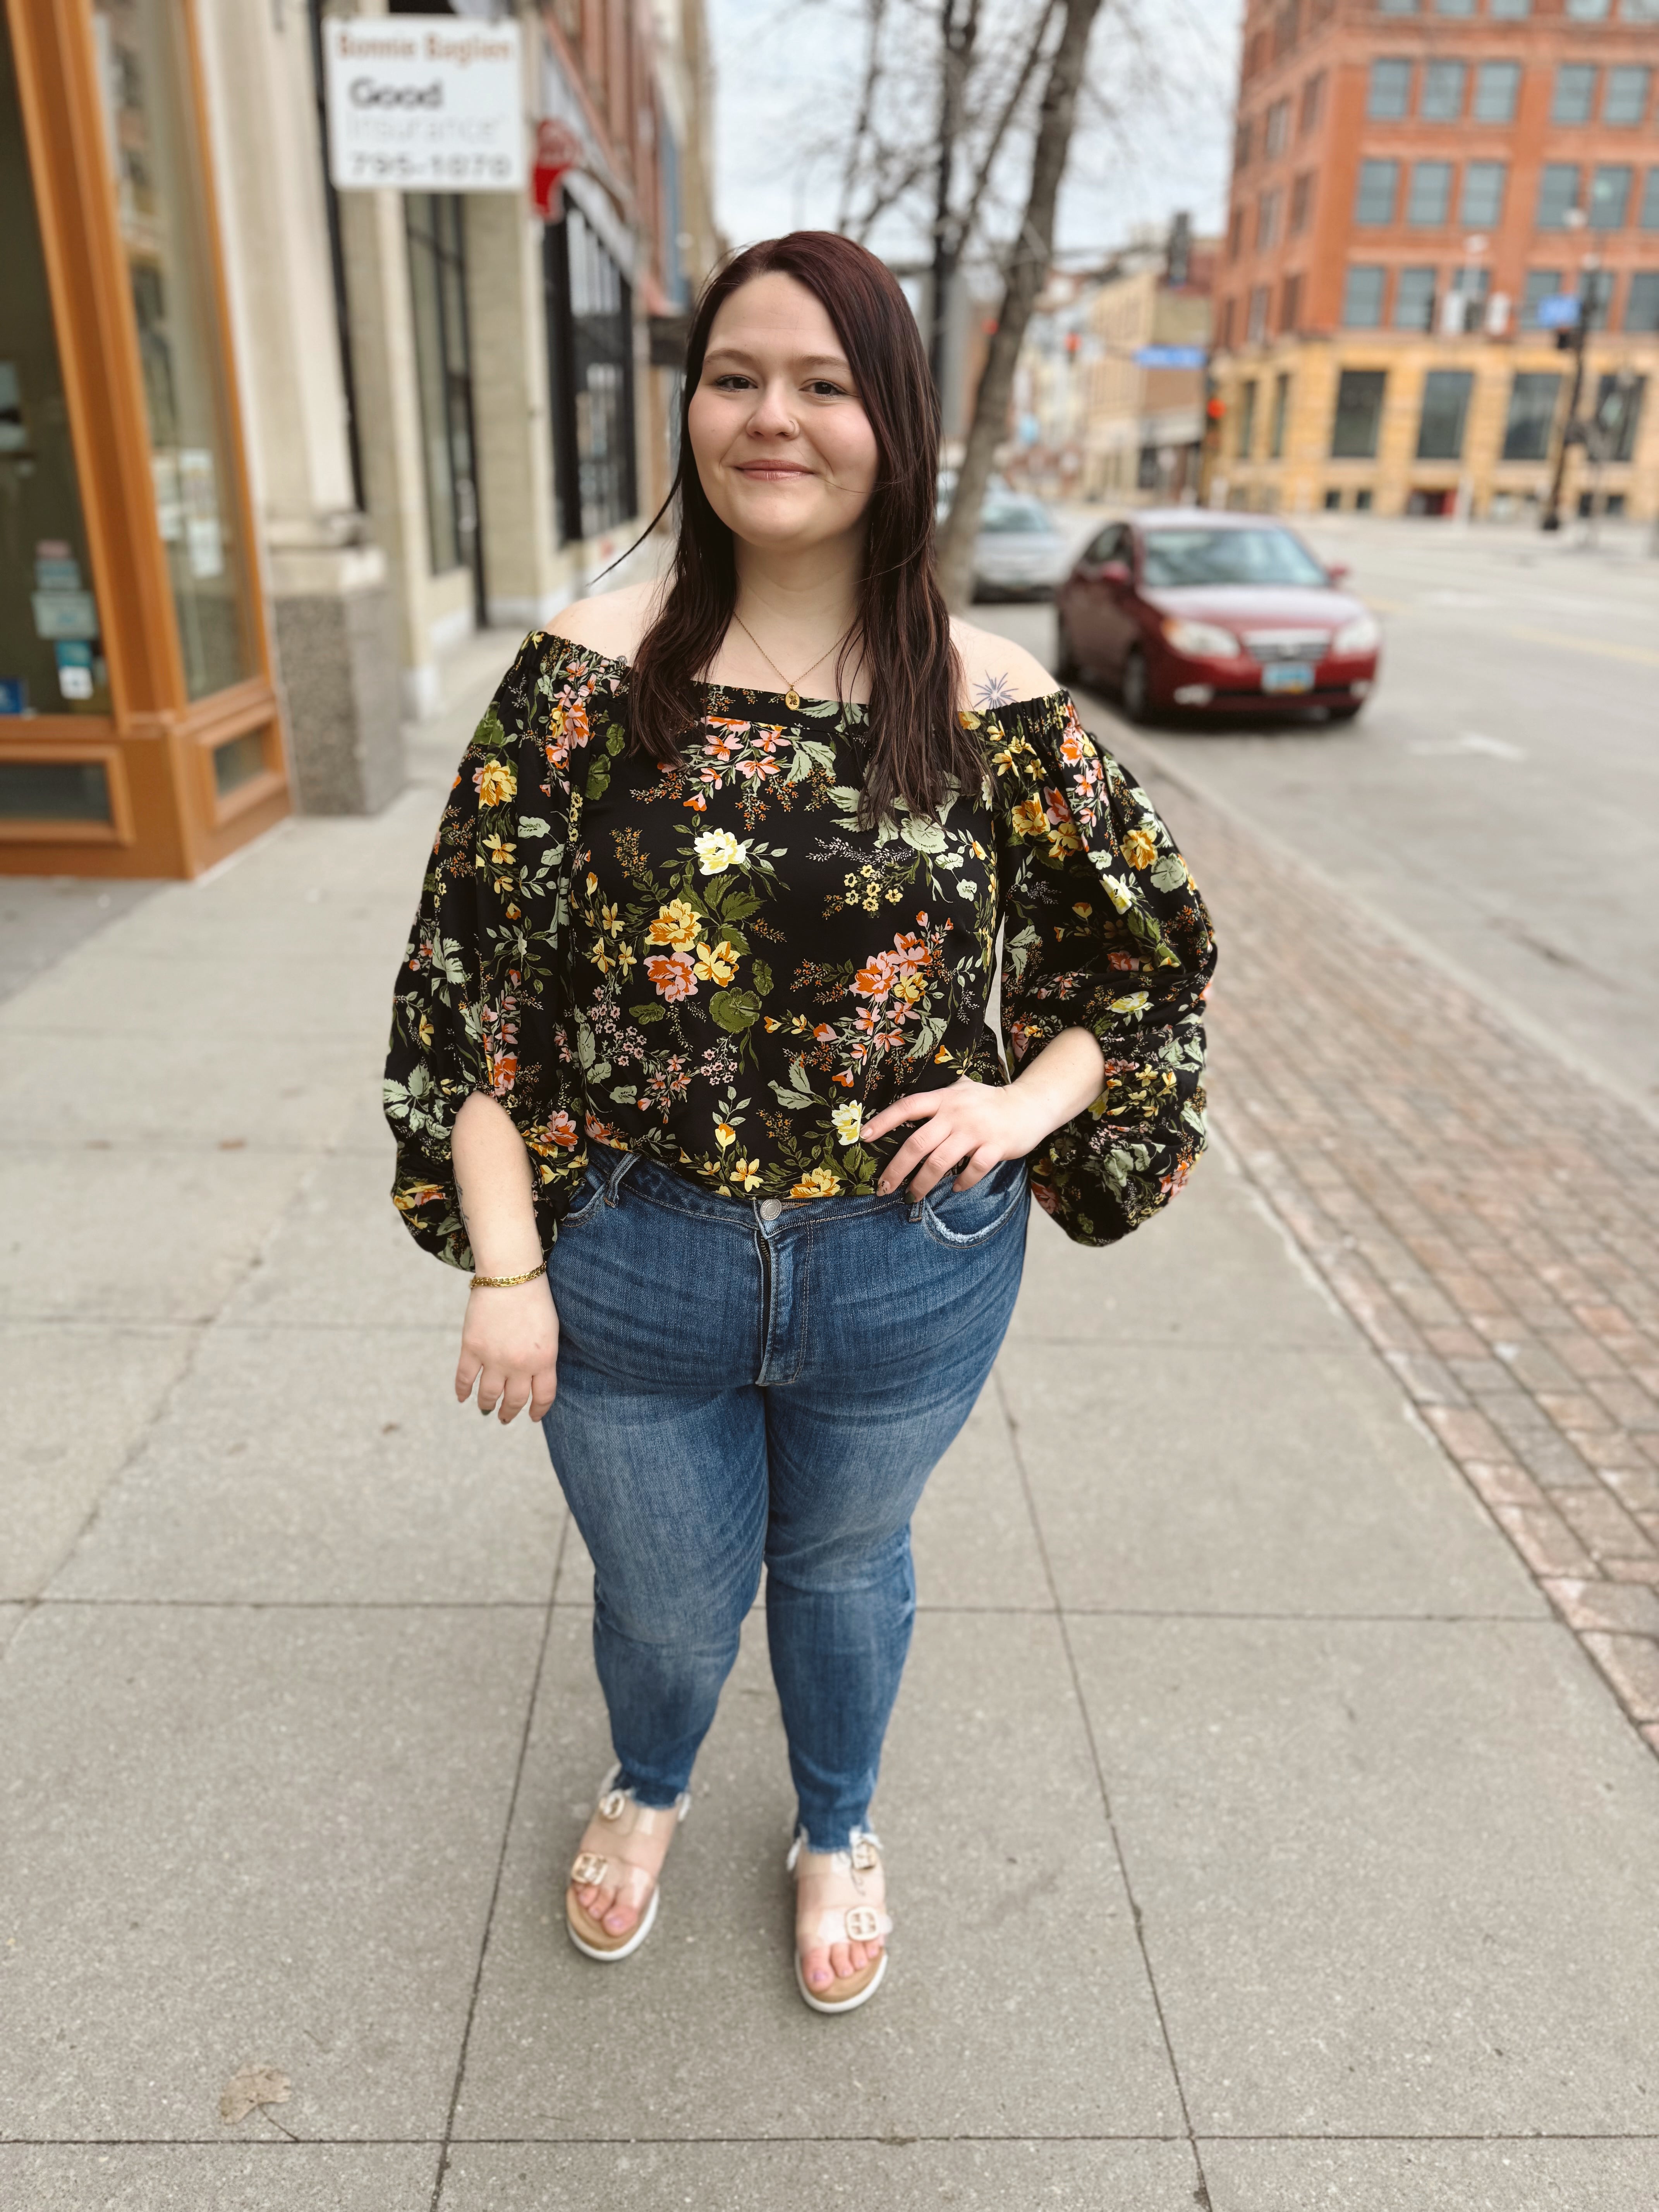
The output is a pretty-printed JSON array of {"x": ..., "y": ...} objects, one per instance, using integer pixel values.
[{"x": 691, "y": 1063}]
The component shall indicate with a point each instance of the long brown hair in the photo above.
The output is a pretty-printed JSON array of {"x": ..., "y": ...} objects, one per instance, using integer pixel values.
[{"x": 916, "y": 748}]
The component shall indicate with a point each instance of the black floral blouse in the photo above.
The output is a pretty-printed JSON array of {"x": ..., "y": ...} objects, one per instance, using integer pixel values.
[{"x": 715, "y": 965}]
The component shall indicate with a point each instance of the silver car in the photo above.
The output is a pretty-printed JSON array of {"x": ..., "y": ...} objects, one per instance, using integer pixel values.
[{"x": 1019, "y": 553}]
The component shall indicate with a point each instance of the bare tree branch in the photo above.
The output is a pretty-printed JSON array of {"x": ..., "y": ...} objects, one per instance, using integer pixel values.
[{"x": 1028, "y": 267}]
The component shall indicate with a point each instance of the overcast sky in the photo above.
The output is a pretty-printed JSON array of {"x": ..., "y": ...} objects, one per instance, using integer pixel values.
[{"x": 788, "y": 69}]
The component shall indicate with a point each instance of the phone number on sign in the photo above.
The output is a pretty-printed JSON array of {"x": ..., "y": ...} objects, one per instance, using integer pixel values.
[{"x": 430, "y": 169}]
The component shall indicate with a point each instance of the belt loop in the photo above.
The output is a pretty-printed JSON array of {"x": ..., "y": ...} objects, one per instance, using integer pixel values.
[
  {"x": 912, "y": 1212},
  {"x": 621, "y": 1167}
]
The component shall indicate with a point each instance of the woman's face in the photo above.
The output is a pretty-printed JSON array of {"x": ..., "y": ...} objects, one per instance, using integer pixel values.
[{"x": 781, "y": 441}]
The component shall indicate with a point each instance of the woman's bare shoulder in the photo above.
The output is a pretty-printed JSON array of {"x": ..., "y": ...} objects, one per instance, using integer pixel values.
[
  {"x": 610, "y": 622},
  {"x": 996, "y": 670}
]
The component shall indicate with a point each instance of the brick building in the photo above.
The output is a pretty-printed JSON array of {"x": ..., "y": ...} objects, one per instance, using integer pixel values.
[
  {"x": 1411, "y": 187},
  {"x": 273, "y": 445}
]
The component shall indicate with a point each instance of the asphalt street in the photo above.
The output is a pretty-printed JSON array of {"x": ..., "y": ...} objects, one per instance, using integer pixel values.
[{"x": 1497, "y": 802}]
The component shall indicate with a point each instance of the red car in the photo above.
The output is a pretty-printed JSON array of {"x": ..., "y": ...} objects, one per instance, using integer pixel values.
[{"x": 1214, "y": 614}]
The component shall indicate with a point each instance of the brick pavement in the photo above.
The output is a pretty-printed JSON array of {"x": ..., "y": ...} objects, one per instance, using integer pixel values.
[{"x": 1484, "y": 1210}]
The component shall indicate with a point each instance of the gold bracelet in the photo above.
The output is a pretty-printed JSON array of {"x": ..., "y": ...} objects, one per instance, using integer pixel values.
[{"x": 507, "y": 1282}]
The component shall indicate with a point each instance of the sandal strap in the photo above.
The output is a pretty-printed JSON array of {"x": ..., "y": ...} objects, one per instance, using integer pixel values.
[
  {"x": 625, "y": 1817},
  {"x": 851, "y": 1923},
  {"x": 848, "y": 1907}
]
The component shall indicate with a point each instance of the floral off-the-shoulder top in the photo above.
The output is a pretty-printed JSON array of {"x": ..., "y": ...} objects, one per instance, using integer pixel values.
[{"x": 716, "y": 966}]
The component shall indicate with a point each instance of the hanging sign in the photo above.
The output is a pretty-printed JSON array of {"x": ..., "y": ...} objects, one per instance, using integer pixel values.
[
  {"x": 1170, "y": 357},
  {"x": 558, "y": 150},
  {"x": 424, "y": 103}
]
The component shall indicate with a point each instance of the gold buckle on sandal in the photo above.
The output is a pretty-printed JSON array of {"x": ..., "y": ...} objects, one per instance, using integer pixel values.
[
  {"x": 863, "y": 1924},
  {"x": 865, "y": 1856},
  {"x": 612, "y": 1805},
  {"x": 588, "y": 1872}
]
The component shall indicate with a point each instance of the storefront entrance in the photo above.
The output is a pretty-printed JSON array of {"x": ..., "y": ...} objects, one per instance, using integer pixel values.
[
  {"x": 590, "y": 345},
  {"x": 138, "y": 728}
]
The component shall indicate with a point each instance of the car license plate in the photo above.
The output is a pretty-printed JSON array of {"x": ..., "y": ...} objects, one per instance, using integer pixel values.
[{"x": 1288, "y": 676}]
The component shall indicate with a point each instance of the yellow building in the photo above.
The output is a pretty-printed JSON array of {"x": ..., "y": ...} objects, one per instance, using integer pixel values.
[
  {"x": 1403, "y": 423},
  {"x": 1141, "y": 427}
]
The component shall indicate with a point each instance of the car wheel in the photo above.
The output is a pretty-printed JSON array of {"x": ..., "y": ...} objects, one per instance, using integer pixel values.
[
  {"x": 1135, "y": 689},
  {"x": 1067, "y": 666}
]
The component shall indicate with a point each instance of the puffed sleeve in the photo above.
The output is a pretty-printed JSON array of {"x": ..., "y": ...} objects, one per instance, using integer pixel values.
[
  {"x": 1103, "y": 930},
  {"x": 480, "y": 996}
]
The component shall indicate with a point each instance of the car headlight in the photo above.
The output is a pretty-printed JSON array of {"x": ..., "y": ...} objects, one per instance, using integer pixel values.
[
  {"x": 1208, "y": 641},
  {"x": 1362, "y": 635}
]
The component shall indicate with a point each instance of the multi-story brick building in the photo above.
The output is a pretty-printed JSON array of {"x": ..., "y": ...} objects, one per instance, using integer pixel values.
[
  {"x": 273, "y": 443},
  {"x": 1412, "y": 184}
]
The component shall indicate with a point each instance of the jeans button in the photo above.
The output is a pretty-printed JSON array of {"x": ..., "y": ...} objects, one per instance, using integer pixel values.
[{"x": 770, "y": 1208}]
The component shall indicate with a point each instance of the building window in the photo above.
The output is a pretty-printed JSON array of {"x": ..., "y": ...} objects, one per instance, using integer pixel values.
[
  {"x": 1358, "y": 415},
  {"x": 1454, "y": 7},
  {"x": 1333, "y": 498},
  {"x": 1587, "y": 11},
  {"x": 1278, "y": 129},
  {"x": 1510, "y": 10},
  {"x": 1246, "y": 135},
  {"x": 1362, "y": 298},
  {"x": 1281, "y": 409},
  {"x": 1396, "y": 7},
  {"x": 1609, "y": 202},
  {"x": 1465, "y": 299},
  {"x": 1496, "y": 89},
  {"x": 1624, "y": 101},
  {"x": 1445, "y": 410},
  {"x": 1267, "y": 222},
  {"x": 1301, "y": 203},
  {"x": 1575, "y": 92},
  {"x": 1226, "y": 324},
  {"x": 1379, "y": 183},
  {"x": 1542, "y": 284},
  {"x": 1235, "y": 234},
  {"x": 1413, "y": 299},
  {"x": 1482, "y": 204},
  {"x": 1639, "y": 11},
  {"x": 1617, "y": 411},
  {"x": 1532, "y": 414},
  {"x": 591, "y": 347},
  {"x": 1246, "y": 420},
  {"x": 1642, "y": 302},
  {"x": 1290, "y": 304},
  {"x": 443, "y": 368},
  {"x": 1557, "y": 194},
  {"x": 1313, "y": 100},
  {"x": 1443, "y": 92},
  {"x": 1388, "y": 96},
  {"x": 1648, "y": 218},
  {"x": 1429, "y": 204},
  {"x": 1256, "y": 330}
]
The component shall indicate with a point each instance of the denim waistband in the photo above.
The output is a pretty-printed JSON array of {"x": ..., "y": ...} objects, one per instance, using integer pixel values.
[{"x": 649, "y": 1179}]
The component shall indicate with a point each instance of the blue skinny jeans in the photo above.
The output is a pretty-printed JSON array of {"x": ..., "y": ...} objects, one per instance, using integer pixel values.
[{"x": 748, "y": 1384}]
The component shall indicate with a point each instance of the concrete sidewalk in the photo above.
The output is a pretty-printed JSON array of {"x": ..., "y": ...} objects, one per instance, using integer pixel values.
[{"x": 1259, "y": 1837}]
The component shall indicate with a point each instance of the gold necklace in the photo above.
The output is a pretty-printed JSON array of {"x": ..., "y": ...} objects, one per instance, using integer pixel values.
[{"x": 791, "y": 691}]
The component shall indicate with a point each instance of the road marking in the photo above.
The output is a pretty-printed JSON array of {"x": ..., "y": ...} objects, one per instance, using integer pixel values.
[
  {"x": 1603, "y": 646},
  {"x": 1472, "y": 741},
  {"x": 1608, "y": 649}
]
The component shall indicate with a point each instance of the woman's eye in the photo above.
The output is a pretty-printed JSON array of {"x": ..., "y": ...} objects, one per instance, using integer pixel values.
[
  {"x": 822, "y": 388},
  {"x": 732, "y": 381}
]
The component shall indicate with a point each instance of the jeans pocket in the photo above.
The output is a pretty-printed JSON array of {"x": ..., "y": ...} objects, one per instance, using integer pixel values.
[
  {"x": 961, "y": 1219},
  {"x": 590, "y": 1195}
]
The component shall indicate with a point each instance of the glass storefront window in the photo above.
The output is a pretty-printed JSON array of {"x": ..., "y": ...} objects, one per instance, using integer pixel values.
[
  {"x": 151, "y": 118},
  {"x": 591, "y": 348},
  {"x": 443, "y": 364},
  {"x": 51, "y": 659}
]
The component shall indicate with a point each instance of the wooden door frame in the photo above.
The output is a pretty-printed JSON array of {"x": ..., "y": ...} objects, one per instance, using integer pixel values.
[{"x": 162, "y": 732}]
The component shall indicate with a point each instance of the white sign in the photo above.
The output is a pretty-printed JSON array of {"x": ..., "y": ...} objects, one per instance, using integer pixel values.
[{"x": 424, "y": 104}]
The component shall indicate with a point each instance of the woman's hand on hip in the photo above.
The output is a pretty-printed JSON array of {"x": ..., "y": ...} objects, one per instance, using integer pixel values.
[
  {"x": 973, "y": 1127},
  {"x": 510, "y": 1349},
  {"x": 968, "y": 1126}
]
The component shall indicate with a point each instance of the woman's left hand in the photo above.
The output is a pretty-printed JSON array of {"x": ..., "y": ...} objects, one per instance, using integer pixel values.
[{"x": 973, "y": 1127}]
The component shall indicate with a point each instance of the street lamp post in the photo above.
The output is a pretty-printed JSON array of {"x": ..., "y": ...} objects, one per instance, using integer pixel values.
[{"x": 1570, "y": 433}]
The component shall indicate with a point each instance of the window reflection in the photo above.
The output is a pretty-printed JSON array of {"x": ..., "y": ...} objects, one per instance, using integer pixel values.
[{"x": 150, "y": 117}]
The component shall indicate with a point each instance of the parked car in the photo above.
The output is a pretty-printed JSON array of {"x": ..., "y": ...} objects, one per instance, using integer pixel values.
[
  {"x": 1214, "y": 613},
  {"x": 1019, "y": 553}
]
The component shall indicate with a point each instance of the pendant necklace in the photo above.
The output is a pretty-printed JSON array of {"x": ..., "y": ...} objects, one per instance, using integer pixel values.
[{"x": 791, "y": 691}]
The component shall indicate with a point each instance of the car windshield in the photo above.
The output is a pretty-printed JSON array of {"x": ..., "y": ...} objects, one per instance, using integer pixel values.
[
  {"x": 1014, "y": 517},
  {"x": 1228, "y": 556}
]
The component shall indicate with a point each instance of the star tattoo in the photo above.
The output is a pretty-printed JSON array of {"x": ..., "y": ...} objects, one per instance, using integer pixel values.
[{"x": 993, "y": 691}]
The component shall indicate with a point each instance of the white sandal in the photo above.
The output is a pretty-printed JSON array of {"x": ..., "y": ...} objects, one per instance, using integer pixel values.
[
  {"x": 848, "y": 1907},
  {"x": 634, "y": 1885}
]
